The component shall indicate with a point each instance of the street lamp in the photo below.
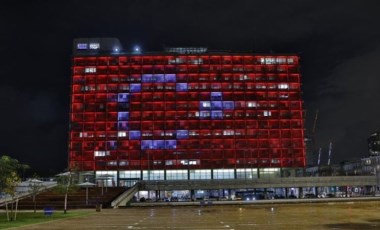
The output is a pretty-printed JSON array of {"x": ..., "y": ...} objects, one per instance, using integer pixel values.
[{"x": 86, "y": 185}]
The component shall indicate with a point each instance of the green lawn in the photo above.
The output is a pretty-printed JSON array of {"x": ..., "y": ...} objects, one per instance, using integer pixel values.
[{"x": 26, "y": 218}]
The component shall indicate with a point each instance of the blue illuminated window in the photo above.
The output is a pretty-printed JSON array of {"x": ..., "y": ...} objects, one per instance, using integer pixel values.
[
  {"x": 216, "y": 96},
  {"x": 135, "y": 88},
  {"x": 204, "y": 114},
  {"x": 170, "y": 144},
  {"x": 182, "y": 134},
  {"x": 146, "y": 144},
  {"x": 158, "y": 144},
  {"x": 147, "y": 78},
  {"x": 158, "y": 78},
  {"x": 122, "y": 125},
  {"x": 181, "y": 86},
  {"x": 216, "y": 105},
  {"x": 82, "y": 46},
  {"x": 123, "y": 97},
  {"x": 123, "y": 116},
  {"x": 204, "y": 105},
  {"x": 216, "y": 114},
  {"x": 228, "y": 105},
  {"x": 134, "y": 135},
  {"x": 170, "y": 77},
  {"x": 111, "y": 145}
]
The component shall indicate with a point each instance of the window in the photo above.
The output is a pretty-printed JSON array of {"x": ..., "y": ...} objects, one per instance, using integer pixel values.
[
  {"x": 158, "y": 78},
  {"x": 158, "y": 144},
  {"x": 111, "y": 145},
  {"x": 251, "y": 104},
  {"x": 216, "y": 105},
  {"x": 224, "y": 174},
  {"x": 170, "y": 78},
  {"x": 269, "y": 172},
  {"x": 123, "y": 97},
  {"x": 111, "y": 163},
  {"x": 181, "y": 87},
  {"x": 202, "y": 174},
  {"x": 194, "y": 162},
  {"x": 176, "y": 174},
  {"x": 147, "y": 78},
  {"x": 283, "y": 86},
  {"x": 267, "y": 113},
  {"x": 246, "y": 173},
  {"x": 94, "y": 46},
  {"x": 146, "y": 144},
  {"x": 228, "y": 132},
  {"x": 228, "y": 105},
  {"x": 216, "y": 114},
  {"x": 204, "y": 105},
  {"x": 130, "y": 174},
  {"x": 135, "y": 88},
  {"x": 101, "y": 153},
  {"x": 122, "y": 134},
  {"x": 82, "y": 46},
  {"x": 182, "y": 134},
  {"x": 153, "y": 175},
  {"x": 123, "y": 163},
  {"x": 122, "y": 125},
  {"x": 122, "y": 116},
  {"x": 205, "y": 114},
  {"x": 134, "y": 135},
  {"x": 90, "y": 70},
  {"x": 170, "y": 144},
  {"x": 216, "y": 96}
]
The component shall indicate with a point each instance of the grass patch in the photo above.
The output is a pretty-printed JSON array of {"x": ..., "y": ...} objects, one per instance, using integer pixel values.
[{"x": 26, "y": 218}]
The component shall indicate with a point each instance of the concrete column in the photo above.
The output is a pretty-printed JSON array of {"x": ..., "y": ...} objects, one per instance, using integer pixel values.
[
  {"x": 316, "y": 191},
  {"x": 300, "y": 192},
  {"x": 286, "y": 193},
  {"x": 346, "y": 190}
]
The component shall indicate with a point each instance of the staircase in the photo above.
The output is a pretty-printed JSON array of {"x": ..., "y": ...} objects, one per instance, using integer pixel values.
[{"x": 75, "y": 200}]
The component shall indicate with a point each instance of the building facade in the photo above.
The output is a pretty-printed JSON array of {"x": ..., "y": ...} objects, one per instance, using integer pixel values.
[
  {"x": 183, "y": 114},
  {"x": 374, "y": 144}
]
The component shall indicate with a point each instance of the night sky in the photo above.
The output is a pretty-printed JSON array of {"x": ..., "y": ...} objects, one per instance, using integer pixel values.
[{"x": 338, "y": 41}]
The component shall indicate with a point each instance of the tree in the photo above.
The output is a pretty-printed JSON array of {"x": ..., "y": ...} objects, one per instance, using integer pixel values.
[
  {"x": 66, "y": 185},
  {"x": 35, "y": 187},
  {"x": 9, "y": 179}
]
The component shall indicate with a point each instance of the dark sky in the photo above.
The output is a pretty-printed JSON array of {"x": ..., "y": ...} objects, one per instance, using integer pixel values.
[{"x": 338, "y": 41}]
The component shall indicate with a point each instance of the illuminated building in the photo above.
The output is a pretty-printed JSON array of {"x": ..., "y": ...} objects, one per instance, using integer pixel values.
[{"x": 183, "y": 113}]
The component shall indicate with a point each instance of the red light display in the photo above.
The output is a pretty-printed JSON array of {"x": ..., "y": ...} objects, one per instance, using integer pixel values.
[{"x": 199, "y": 111}]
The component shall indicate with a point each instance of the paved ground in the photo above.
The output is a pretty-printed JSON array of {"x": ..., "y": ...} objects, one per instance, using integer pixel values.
[{"x": 332, "y": 215}]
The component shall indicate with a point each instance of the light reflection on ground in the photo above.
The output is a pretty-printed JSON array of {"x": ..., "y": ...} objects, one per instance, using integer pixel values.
[{"x": 349, "y": 215}]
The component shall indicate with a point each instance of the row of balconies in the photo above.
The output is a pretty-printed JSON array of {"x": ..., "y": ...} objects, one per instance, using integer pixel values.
[
  {"x": 147, "y": 126},
  {"x": 198, "y": 59},
  {"x": 189, "y": 78},
  {"x": 162, "y": 69},
  {"x": 138, "y": 165}
]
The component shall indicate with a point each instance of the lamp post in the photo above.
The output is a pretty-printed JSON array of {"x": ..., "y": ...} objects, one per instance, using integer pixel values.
[{"x": 86, "y": 185}]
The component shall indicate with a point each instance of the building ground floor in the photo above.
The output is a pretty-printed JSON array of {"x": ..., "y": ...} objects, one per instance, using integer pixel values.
[
  {"x": 127, "y": 178},
  {"x": 250, "y": 194}
]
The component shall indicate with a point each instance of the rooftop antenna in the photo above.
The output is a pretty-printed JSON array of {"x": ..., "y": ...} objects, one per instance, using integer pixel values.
[
  {"x": 330, "y": 149},
  {"x": 319, "y": 156},
  {"x": 313, "y": 136}
]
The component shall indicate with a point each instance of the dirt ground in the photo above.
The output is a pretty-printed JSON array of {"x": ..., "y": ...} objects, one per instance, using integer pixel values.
[{"x": 347, "y": 215}]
